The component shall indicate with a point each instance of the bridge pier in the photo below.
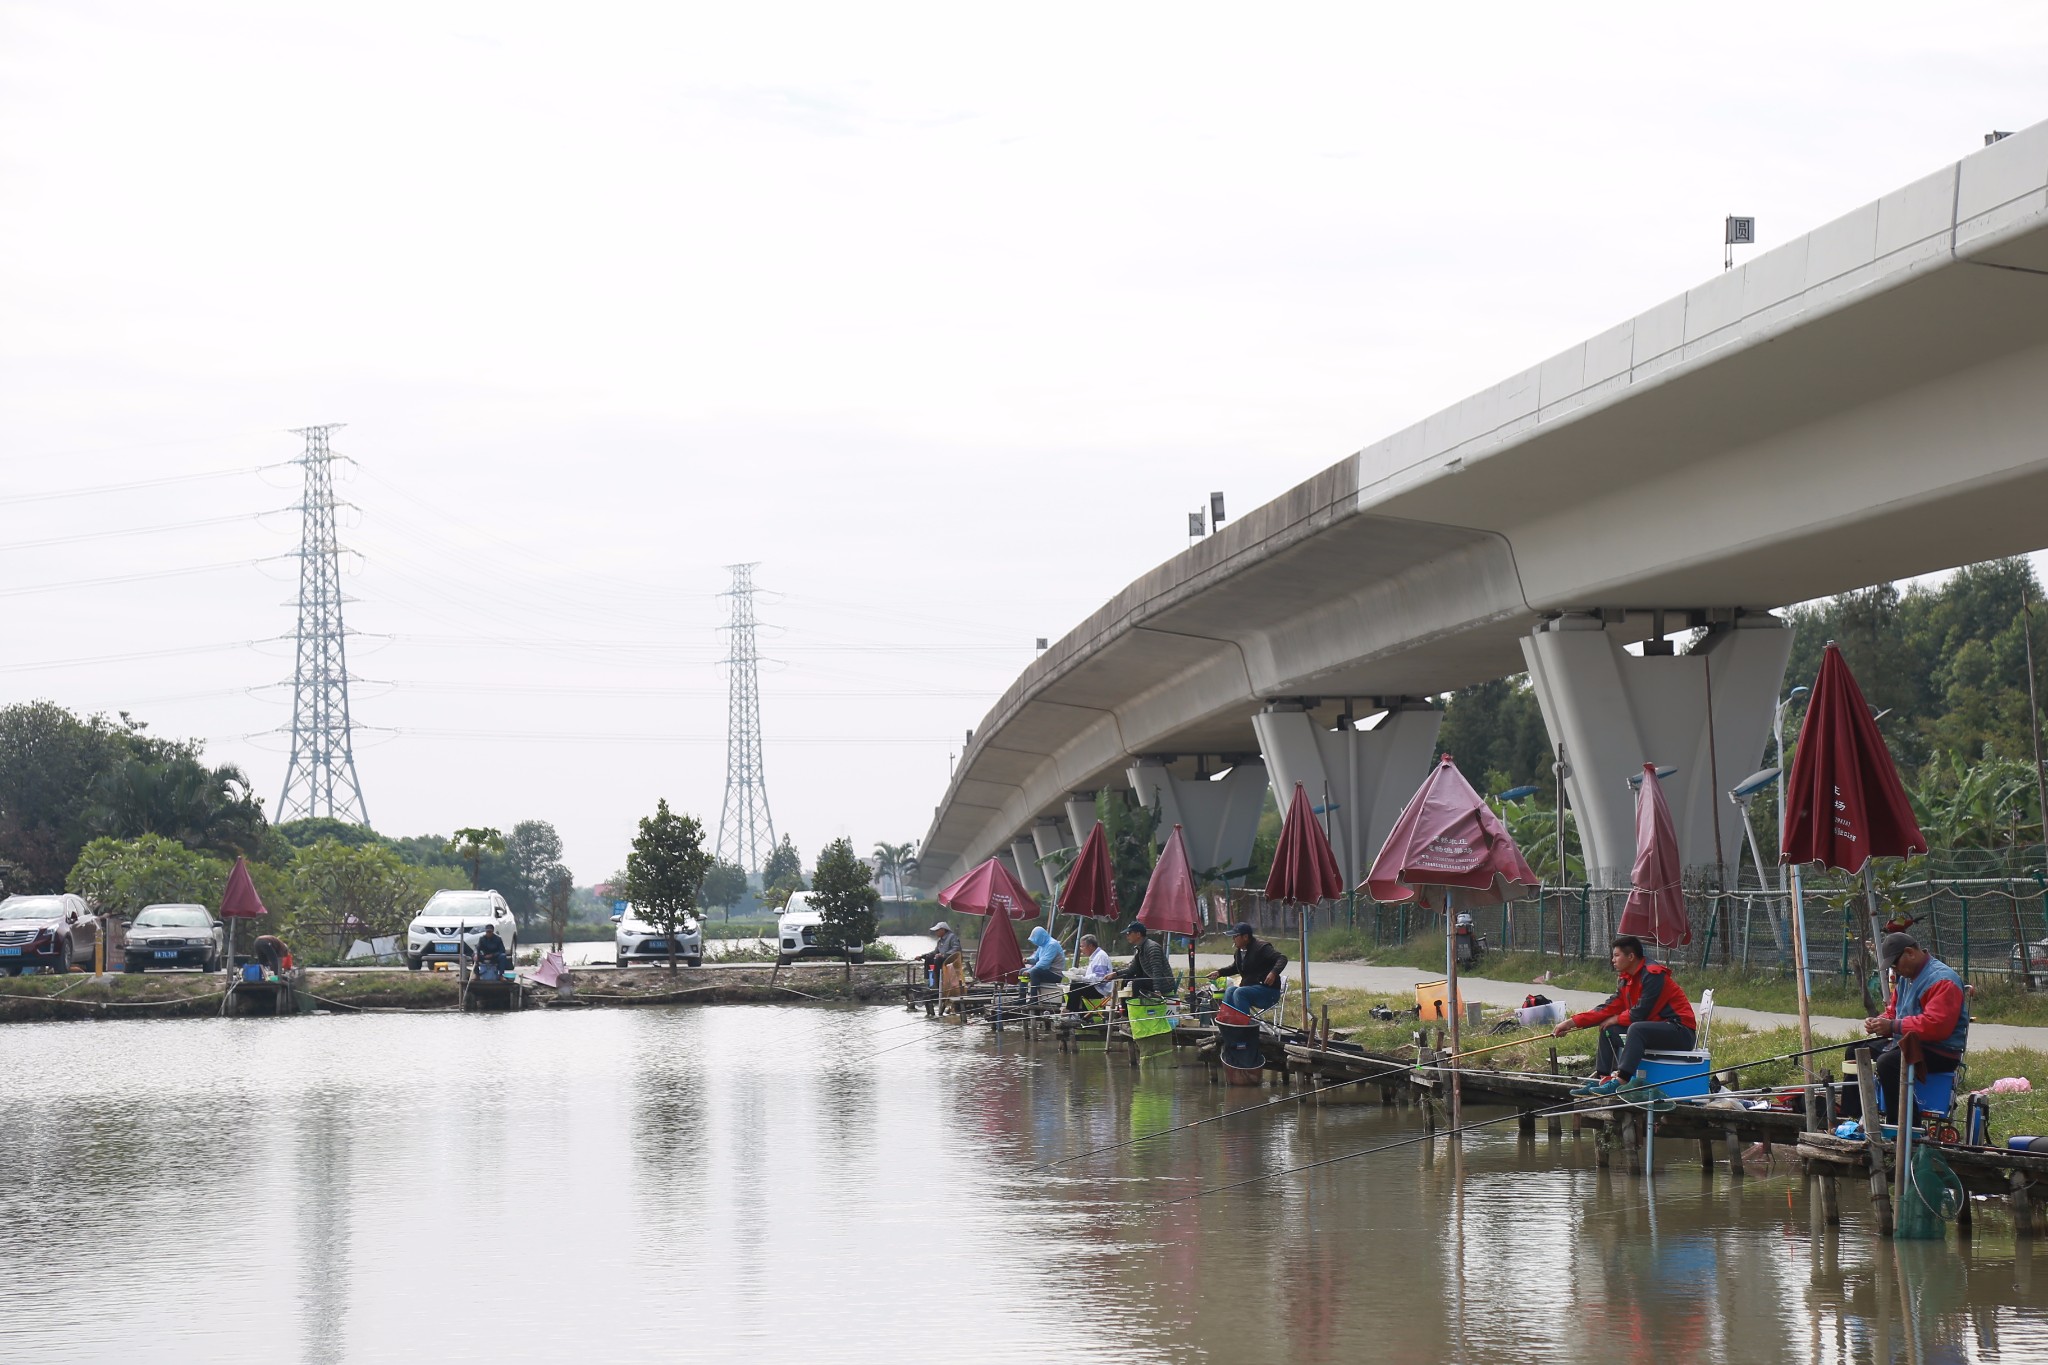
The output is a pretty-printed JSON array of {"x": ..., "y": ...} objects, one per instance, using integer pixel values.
[
  {"x": 1024, "y": 862},
  {"x": 1049, "y": 837},
  {"x": 1080, "y": 814},
  {"x": 1393, "y": 758},
  {"x": 1614, "y": 711},
  {"x": 1219, "y": 817}
]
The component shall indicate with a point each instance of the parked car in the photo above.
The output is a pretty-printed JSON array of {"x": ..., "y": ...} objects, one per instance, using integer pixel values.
[
  {"x": 55, "y": 933},
  {"x": 796, "y": 934},
  {"x": 453, "y": 920},
  {"x": 181, "y": 935},
  {"x": 638, "y": 939}
]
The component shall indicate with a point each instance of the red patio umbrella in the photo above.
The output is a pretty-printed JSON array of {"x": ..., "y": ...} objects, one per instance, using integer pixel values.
[
  {"x": 1656, "y": 900},
  {"x": 1844, "y": 804},
  {"x": 1448, "y": 838},
  {"x": 991, "y": 890},
  {"x": 239, "y": 901},
  {"x": 1090, "y": 889},
  {"x": 1169, "y": 904},
  {"x": 1304, "y": 873}
]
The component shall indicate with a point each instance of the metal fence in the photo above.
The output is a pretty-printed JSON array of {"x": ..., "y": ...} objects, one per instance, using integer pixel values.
[{"x": 1982, "y": 926}]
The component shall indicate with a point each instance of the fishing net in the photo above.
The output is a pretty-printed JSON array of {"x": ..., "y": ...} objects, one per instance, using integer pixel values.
[
  {"x": 1933, "y": 1197},
  {"x": 1149, "y": 1021}
]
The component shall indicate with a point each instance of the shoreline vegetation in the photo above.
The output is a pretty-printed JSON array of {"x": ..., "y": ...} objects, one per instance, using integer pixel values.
[{"x": 38, "y": 999}]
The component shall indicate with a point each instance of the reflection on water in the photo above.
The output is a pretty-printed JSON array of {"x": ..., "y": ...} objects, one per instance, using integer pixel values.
[{"x": 782, "y": 1183}]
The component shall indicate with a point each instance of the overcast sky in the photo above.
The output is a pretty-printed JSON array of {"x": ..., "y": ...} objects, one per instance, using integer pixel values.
[{"x": 946, "y": 315}]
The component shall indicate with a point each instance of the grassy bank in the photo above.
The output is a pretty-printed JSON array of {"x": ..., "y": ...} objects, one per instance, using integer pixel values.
[{"x": 1994, "y": 1000}]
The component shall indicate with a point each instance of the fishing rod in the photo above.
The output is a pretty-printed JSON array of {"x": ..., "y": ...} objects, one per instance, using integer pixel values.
[
  {"x": 1559, "y": 1109},
  {"x": 1390, "y": 1070}
]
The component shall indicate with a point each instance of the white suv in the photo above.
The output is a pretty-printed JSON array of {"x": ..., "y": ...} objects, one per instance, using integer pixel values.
[
  {"x": 638, "y": 939},
  {"x": 453, "y": 920},
  {"x": 796, "y": 934}
]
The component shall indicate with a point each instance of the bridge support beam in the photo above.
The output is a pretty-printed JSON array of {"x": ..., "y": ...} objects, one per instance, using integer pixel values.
[
  {"x": 1614, "y": 711},
  {"x": 1024, "y": 862},
  {"x": 1080, "y": 814},
  {"x": 1392, "y": 758},
  {"x": 1218, "y": 817},
  {"x": 1048, "y": 838}
]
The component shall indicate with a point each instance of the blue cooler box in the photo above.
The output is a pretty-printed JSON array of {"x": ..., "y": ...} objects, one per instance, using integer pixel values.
[{"x": 1681, "y": 1075}]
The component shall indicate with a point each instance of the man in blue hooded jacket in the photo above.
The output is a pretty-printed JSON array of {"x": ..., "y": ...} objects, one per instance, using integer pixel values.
[{"x": 1048, "y": 963}]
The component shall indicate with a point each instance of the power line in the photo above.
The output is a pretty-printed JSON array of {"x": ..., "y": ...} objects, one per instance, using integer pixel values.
[
  {"x": 133, "y": 484},
  {"x": 320, "y": 776},
  {"x": 746, "y": 831},
  {"x": 160, "y": 529},
  {"x": 140, "y": 577}
]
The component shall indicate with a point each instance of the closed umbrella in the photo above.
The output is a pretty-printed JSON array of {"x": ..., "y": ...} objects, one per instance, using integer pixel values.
[
  {"x": 1656, "y": 899},
  {"x": 1449, "y": 843},
  {"x": 1304, "y": 873},
  {"x": 239, "y": 901},
  {"x": 1169, "y": 904},
  {"x": 1844, "y": 803},
  {"x": 1089, "y": 891}
]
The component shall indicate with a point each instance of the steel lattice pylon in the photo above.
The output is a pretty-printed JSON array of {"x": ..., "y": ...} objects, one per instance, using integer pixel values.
[
  {"x": 746, "y": 831},
  {"x": 320, "y": 779}
]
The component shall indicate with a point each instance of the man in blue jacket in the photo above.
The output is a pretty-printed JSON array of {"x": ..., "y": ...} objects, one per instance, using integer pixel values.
[{"x": 1048, "y": 963}]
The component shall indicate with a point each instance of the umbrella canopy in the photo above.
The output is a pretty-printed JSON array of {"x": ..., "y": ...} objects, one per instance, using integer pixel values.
[
  {"x": 1090, "y": 891},
  {"x": 1844, "y": 804},
  {"x": 1169, "y": 906},
  {"x": 1447, "y": 836},
  {"x": 998, "y": 958},
  {"x": 1656, "y": 898},
  {"x": 990, "y": 890},
  {"x": 240, "y": 900},
  {"x": 1304, "y": 869}
]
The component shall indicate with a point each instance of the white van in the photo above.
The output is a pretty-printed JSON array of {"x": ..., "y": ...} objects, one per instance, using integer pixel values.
[{"x": 796, "y": 934}]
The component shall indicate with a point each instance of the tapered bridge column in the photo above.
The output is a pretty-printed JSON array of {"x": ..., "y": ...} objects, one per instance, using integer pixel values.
[
  {"x": 1706, "y": 713},
  {"x": 1218, "y": 816},
  {"x": 1393, "y": 757}
]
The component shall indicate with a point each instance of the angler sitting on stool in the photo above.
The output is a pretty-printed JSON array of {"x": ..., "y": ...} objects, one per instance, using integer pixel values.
[
  {"x": 1093, "y": 983},
  {"x": 1927, "y": 1004},
  {"x": 1047, "y": 966},
  {"x": 1257, "y": 967},
  {"x": 1149, "y": 972},
  {"x": 491, "y": 956},
  {"x": 1660, "y": 1018}
]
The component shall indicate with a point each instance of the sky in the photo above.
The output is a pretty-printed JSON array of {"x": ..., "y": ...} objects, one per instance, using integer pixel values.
[{"x": 945, "y": 316}]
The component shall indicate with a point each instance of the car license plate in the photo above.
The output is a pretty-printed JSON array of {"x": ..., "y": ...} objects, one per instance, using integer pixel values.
[
  {"x": 447, "y": 947},
  {"x": 166, "y": 952},
  {"x": 10, "y": 952}
]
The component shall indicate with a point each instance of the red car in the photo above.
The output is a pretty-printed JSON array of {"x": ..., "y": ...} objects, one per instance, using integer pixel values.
[{"x": 54, "y": 933}]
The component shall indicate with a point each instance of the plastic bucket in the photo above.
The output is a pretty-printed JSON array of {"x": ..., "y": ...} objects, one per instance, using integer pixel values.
[
  {"x": 1238, "y": 1046},
  {"x": 1432, "y": 998}
]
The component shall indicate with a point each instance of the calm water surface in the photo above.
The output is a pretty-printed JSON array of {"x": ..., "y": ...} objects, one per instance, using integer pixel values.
[{"x": 766, "y": 1183}]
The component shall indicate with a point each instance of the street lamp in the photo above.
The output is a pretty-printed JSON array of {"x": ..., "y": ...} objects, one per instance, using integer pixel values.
[{"x": 1742, "y": 794}]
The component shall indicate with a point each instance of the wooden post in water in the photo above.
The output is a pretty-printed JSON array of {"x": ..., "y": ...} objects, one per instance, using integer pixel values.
[{"x": 1880, "y": 1188}]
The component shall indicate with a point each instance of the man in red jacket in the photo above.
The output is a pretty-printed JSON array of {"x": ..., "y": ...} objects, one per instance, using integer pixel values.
[
  {"x": 1928, "y": 1005},
  {"x": 1657, "y": 1014}
]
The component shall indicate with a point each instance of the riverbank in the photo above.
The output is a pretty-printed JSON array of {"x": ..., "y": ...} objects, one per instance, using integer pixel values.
[{"x": 376, "y": 990}]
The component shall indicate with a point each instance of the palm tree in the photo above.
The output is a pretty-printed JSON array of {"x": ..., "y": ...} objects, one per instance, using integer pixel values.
[
  {"x": 896, "y": 861},
  {"x": 178, "y": 797}
]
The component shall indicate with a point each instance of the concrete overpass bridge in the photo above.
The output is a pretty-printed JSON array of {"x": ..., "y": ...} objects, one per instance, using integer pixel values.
[{"x": 1865, "y": 403}]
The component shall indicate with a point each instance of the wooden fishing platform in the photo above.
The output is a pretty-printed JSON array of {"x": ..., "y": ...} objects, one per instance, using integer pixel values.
[
  {"x": 262, "y": 999},
  {"x": 496, "y": 994},
  {"x": 1717, "y": 1132}
]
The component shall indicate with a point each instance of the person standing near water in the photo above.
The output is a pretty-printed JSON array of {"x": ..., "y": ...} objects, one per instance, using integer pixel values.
[
  {"x": 1257, "y": 967},
  {"x": 1657, "y": 1014}
]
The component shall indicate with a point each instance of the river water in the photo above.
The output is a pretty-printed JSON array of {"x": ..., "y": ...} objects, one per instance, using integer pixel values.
[{"x": 771, "y": 1183}]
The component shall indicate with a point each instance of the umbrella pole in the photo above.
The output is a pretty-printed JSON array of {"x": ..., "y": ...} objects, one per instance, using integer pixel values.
[
  {"x": 1456, "y": 1006},
  {"x": 1306, "y": 911},
  {"x": 1799, "y": 975}
]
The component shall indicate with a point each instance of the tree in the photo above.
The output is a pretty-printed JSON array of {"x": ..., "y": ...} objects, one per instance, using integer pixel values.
[
  {"x": 180, "y": 798},
  {"x": 365, "y": 892},
  {"x": 1128, "y": 827},
  {"x": 665, "y": 871},
  {"x": 784, "y": 864},
  {"x": 470, "y": 845},
  {"x": 120, "y": 876},
  {"x": 533, "y": 852},
  {"x": 896, "y": 861},
  {"x": 561, "y": 887},
  {"x": 842, "y": 890},
  {"x": 725, "y": 885},
  {"x": 49, "y": 760}
]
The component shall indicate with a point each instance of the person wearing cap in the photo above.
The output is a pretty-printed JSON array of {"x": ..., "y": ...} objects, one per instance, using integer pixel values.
[
  {"x": 1093, "y": 981},
  {"x": 1258, "y": 967},
  {"x": 1148, "y": 970},
  {"x": 1928, "y": 1006},
  {"x": 1647, "y": 1012},
  {"x": 946, "y": 950}
]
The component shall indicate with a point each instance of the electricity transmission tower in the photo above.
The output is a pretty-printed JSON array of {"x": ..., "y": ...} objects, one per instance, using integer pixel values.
[
  {"x": 321, "y": 777},
  {"x": 746, "y": 831}
]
